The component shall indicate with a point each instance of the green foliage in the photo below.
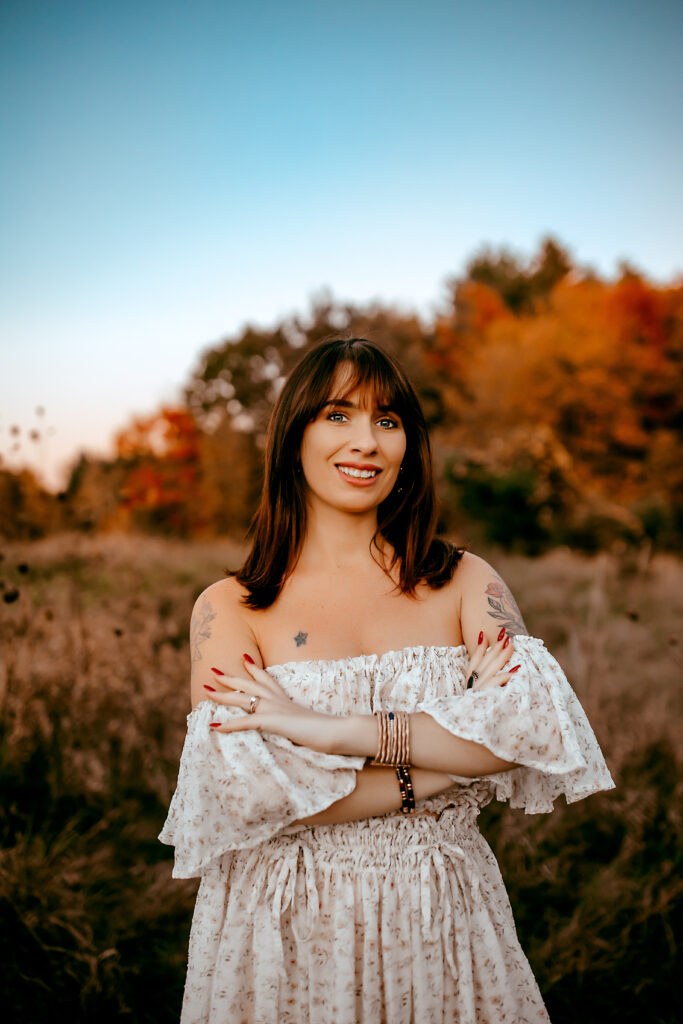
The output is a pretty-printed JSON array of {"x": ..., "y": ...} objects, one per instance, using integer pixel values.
[
  {"x": 524, "y": 496},
  {"x": 519, "y": 286},
  {"x": 504, "y": 507}
]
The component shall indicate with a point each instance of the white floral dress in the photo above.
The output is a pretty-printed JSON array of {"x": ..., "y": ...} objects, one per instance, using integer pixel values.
[{"x": 397, "y": 919}]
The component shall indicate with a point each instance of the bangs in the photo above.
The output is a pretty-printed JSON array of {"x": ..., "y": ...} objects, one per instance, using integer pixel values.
[{"x": 364, "y": 369}]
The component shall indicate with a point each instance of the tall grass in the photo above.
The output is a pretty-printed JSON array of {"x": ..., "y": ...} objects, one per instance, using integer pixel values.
[{"x": 94, "y": 693}]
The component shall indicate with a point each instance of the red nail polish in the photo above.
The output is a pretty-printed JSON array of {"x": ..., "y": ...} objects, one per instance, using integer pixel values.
[
  {"x": 502, "y": 633},
  {"x": 504, "y": 684},
  {"x": 248, "y": 657},
  {"x": 481, "y": 638},
  {"x": 212, "y": 688},
  {"x": 218, "y": 671},
  {"x": 214, "y": 724},
  {"x": 513, "y": 669},
  {"x": 507, "y": 641}
]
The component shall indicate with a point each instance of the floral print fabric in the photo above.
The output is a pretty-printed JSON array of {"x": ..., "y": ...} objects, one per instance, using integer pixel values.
[{"x": 397, "y": 919}]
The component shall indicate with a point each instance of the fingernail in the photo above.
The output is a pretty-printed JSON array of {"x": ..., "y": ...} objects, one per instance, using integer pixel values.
[
  {"x": 214, "y": 724},
  {"x": 248, "y": 657},
  {"x": 513, "y": 669},
  {"x": 504, "y": 684},
  {"x": 218, "y": 671},
  {"x": 481, "y": 637},
  {"x": 502, "y": 633},
  {"x": 507, "y": 641},
  {"x": 212, "y": 688}
]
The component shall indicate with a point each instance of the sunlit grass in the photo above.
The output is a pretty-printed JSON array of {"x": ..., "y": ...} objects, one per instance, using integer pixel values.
[{"x": 94, "y": 694}]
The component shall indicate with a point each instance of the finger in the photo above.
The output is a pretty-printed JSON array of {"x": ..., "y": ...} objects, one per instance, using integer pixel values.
[
  {"x": 241, "y": 724},
  {"x": 505, "y": 677},
  {"x": 237, "y": 683},
  {"x": 499, "y": 657},
  {"x": 499, "y": 679},
  {"x": 271, "y": 686},
  {"x": 253, "y": 668},
  {"x": 261, "y": 676},
  {"x": 221, "y": 679},
  {"x": 233, "y": 699},
  {"x": 491, "y": 673},
  {"x": 492, "y": 638},
  {"x": 479, "y": 651}
]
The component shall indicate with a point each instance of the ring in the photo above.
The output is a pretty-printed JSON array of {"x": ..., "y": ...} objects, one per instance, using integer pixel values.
[
  {"x": 252, "y": 705},
  {"x": 473, "y": 678}
]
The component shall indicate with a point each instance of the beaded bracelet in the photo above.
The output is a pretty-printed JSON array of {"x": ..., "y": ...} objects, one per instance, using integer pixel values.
[
  {"x": 405, "y": 784},
  {"x": 393, "y": 747}
]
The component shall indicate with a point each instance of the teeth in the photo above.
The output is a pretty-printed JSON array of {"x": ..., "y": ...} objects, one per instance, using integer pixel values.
[{"x": 363, "y": 473}]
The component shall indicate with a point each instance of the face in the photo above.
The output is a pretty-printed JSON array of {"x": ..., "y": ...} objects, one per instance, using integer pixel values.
[{"x": 351, "y": 453}]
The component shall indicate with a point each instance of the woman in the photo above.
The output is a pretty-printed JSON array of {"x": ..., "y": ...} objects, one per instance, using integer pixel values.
[{"x": 334, "y": 889}]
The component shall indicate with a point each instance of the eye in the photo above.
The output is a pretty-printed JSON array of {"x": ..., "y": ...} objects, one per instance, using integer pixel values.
[
  {"x": 331, "y": 416},
  {"x": 386, "y": 421}
]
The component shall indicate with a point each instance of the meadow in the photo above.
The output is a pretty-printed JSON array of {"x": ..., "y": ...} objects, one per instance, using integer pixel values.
[{"x": 94, "y": 693}]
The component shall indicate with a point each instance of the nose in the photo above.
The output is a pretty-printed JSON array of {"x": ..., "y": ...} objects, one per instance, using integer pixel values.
[{"x": 364, "y": 439}]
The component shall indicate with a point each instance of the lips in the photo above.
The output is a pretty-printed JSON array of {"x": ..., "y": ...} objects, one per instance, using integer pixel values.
[{"x": 360, "y": 474}]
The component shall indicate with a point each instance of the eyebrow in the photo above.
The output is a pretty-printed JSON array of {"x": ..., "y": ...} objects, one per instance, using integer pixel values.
[{"x": 352, "y": 405}]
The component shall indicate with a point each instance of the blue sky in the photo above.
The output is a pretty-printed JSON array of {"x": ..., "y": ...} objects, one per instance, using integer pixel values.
[{"x": 170, "y": 171}]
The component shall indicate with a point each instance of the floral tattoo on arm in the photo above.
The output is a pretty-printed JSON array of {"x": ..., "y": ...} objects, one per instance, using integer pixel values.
[
  {"x": 200, "y": 628},
  {"x": 503, "y": 608}
]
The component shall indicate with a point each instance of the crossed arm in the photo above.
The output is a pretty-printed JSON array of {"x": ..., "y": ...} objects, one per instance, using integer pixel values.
[{"x": 488, "y": 609}]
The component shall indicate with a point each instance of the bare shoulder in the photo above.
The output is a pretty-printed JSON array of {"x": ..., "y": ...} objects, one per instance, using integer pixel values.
[
  {"x": 220, "y": 632},
  {"x": 218, "y": 605},
  {"x": 486, "y": 601}
]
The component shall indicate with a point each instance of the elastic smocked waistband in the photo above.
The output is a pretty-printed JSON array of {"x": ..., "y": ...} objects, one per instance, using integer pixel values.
[{"x": 396, "y": 832}]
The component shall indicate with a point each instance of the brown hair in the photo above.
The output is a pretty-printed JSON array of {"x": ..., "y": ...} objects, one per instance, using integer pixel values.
[{"x": 406, "y": 518}]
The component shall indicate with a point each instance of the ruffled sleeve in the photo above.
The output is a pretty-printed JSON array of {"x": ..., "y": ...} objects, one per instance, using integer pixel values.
[
  {"x": 535, "y": 721},
  {"x": 236, "y": 790}
]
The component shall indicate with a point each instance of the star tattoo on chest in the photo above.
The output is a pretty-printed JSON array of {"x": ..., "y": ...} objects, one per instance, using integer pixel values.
[{"x": 300, "y": 638}]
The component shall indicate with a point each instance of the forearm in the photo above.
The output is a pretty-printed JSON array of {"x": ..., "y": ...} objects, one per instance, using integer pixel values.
[
  {"x": 431, "y": 746},
  {"x": 377, "y": 792}
]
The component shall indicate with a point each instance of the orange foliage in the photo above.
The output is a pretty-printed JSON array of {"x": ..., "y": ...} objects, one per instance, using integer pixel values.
[
  {"x": 161, "y": 454},
  {"x": 595, "y": 363}
]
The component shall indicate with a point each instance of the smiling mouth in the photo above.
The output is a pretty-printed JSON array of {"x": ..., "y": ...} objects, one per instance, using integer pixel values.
[{"x": 358, "y": 474}]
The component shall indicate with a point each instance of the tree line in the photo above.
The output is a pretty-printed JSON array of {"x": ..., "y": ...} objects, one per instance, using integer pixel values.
[{"x": 553, "y": 396}]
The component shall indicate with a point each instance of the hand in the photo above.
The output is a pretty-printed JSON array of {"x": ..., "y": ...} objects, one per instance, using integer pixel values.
[
  {"x": 275, "y": 711},
  {"x": 487, "y": 665}
]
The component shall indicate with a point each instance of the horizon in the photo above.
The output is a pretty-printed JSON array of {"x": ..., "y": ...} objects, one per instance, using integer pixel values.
[{"x": 172, "y": 174}]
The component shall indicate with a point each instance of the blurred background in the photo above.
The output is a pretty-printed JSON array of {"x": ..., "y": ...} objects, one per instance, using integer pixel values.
[{"x": 191, "y": 196}]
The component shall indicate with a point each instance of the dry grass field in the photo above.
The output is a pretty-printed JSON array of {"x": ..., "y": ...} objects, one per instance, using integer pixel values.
[{"x": 94, "y": 691}]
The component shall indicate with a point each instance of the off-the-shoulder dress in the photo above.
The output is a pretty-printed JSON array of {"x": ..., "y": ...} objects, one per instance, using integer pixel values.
[{"x": 403, "y": 919}]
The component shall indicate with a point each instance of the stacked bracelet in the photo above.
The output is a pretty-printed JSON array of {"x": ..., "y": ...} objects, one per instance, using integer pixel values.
[
  {"x": 405, "y": 784},
  {"x": 393, "y": 747}
]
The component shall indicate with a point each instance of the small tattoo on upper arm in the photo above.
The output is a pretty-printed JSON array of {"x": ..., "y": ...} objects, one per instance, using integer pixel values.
[
  {"x": 504, "y": 609},
  {"x": 300, "y": 638},
  {"x": 200, "y": 628}
]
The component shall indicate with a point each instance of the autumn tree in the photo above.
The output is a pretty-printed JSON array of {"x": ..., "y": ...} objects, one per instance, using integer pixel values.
[{"x": 161, "y": 457}]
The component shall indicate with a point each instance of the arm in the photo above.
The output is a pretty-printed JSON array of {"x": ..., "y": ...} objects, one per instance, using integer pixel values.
[
  {"x": 377, "y": 792},
  {"x": 536, "y": 723},
  {"x": 236, "y": 791},
  {"x": 485, "y": 604},
  {"x": 218, "y": 636},
  {"x": 435, "y": 752}
]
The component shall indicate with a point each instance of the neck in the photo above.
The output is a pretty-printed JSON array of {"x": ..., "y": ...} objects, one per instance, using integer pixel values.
[{"x": 337, "y": 540}]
